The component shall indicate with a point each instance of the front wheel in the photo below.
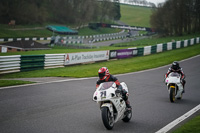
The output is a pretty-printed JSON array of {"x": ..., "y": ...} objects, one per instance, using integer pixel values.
[
  {"x": 108, "y": 120},
  {"x": 172, "y": 94}
]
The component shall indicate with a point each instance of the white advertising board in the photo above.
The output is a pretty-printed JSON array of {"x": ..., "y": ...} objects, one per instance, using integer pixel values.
[
  {"x": 3, "y": 49},
  {"x": 84, "y": 57}
]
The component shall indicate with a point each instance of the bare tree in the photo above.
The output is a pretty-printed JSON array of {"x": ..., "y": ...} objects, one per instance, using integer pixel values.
[{"x": 176, "y": 17}]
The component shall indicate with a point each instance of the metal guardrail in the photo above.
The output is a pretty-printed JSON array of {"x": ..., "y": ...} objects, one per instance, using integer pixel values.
[
  {"x": 54, "y": 60},
  {"x": 9, "y": 64}
]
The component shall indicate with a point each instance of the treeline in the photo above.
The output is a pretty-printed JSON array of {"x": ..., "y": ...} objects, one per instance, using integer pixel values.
[
  {"x": 59, "y": 11},
  {"x": 177, "y": 17},
  {"x": 140, "y": 2}
]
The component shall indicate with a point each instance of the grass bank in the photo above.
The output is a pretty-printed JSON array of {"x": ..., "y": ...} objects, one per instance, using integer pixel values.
[
  {"x": 4, "y": 83},
  {"x": 191, "y": 126},
  {"x": 155, "y": 40},
  {"x": 135, "y": 15}
]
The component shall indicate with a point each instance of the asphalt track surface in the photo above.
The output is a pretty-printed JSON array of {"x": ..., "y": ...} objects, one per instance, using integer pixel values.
[{"x": 67, "y": 107}]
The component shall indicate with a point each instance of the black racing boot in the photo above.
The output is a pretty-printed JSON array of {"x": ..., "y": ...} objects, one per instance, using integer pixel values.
[
  {"x": 128, "y": 106},
  {"x": 183, "y": 88}
]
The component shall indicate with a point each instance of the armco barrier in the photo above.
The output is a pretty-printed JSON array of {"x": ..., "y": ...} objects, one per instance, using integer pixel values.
[
  {"x": 24, "y": 39},
  {"x": 32, "y": 62},
  {"x": 17, "y": 63},
  {"x": 54, "y": 60},
  {"x": 9, "y": 64}
]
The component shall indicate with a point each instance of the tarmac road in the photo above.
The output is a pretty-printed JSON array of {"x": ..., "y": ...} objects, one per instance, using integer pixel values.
[{"x": 67, "y": 107}]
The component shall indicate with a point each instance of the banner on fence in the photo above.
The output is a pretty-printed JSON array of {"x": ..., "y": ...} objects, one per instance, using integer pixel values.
[
  {"x": 113, "y": 54},
  {"x": 122, "y": 53},
  {"x": 84, "y": 57},
  {"x": 96, "y": 25}
]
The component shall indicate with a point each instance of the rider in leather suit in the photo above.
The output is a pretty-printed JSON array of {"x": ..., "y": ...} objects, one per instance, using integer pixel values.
[
  {"x": 105, "y": 76},
  {"x": 176, "y": 68}
]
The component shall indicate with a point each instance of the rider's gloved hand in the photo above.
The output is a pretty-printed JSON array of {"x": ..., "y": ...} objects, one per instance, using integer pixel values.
[{"x": 118, "y": 91}]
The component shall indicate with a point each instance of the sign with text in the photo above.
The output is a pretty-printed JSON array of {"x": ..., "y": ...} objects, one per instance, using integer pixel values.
[
  {"x": 124, "y": 53},
  {"x": 84, "y": 57},
  {"x": 113, "y": 54}
]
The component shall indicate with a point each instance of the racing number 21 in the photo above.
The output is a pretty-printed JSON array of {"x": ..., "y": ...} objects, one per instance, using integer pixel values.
[{"x": 103, "y": 94}]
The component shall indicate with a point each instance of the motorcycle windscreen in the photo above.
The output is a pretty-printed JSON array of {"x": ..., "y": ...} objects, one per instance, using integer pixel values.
[
  {"x": 174, "y": 74},
  {"x": 106, "y": 85}
]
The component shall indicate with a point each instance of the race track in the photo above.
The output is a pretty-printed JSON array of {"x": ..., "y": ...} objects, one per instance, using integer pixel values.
[{"x": 67, "y": 107}]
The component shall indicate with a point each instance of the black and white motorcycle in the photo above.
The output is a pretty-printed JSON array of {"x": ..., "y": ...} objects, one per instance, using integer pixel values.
[
  {"x": 174, "y": 86},
  {"x": 113, "y": 107}
]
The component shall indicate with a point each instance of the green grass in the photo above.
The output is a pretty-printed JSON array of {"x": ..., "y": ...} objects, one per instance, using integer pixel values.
[
  {"x": 88, "y": 31},
  {"x": 22, "y": 31},
  {"x": 12, "y": 32},
  {"x": 135, "y": 15},
  {"x": 190, "y": 127},
  {"x": 58, "y": 50},
  {"x": 155, "y": 40},
  {"x": 115, "y": 66},
  {"x": 4, "y": 83}
]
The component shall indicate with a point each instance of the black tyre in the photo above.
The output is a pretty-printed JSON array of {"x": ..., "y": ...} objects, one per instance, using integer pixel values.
[
  {"x": 128, "y": 116},
  {"x": 172, "y": 94},
  {"x": 108, "y": 121}
]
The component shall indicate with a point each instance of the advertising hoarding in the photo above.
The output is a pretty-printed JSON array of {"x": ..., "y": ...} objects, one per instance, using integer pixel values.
[
  {"x": 84, "y": 57},
  {"x": 123, "y": 53}
]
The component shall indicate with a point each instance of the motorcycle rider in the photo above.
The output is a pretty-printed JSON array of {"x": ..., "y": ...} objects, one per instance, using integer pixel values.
[
  {"x": 105, "y": 76},
  {"x": 176, "y": 68}
]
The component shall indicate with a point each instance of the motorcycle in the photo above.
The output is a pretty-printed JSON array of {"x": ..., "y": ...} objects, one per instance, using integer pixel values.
[
  {"x": 113, "y": 107},
  {"x": 174, "y": 86}
]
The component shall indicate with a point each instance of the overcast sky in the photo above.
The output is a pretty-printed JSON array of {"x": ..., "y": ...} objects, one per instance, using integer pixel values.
[{"x": 156, "y": 1}]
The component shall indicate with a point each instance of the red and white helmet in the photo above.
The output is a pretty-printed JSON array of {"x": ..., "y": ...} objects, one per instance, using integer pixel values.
[{"x": 103, "y": 73}]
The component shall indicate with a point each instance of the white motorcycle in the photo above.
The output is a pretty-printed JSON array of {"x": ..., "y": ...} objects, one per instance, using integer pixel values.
[
  {"x": 113, "y": 107},
  {"x": 174, "y": 86}
]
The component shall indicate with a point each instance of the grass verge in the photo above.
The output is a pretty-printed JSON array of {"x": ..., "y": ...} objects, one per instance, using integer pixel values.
[
  {"x": 4, "y": 83},
  {"x": 155, "y": 40},
  {"x": 59, "y": 50},
  {"x": 190, "y": 127}
]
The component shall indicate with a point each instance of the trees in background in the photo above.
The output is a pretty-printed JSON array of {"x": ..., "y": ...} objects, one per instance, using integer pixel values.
[
  {"x": 176, "y": 17},
  {"x": 59, "y": 11}
]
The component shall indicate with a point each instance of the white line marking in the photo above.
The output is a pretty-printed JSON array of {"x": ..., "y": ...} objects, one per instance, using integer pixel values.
[
  {"x": 180, "y": 119},
  {"x": 1, "y": 88}
]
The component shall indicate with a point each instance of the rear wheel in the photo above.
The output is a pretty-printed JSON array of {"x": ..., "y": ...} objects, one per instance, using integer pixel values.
[
  {"x": 108, "y": 120},
  {"x": 172, "y": 94}
]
